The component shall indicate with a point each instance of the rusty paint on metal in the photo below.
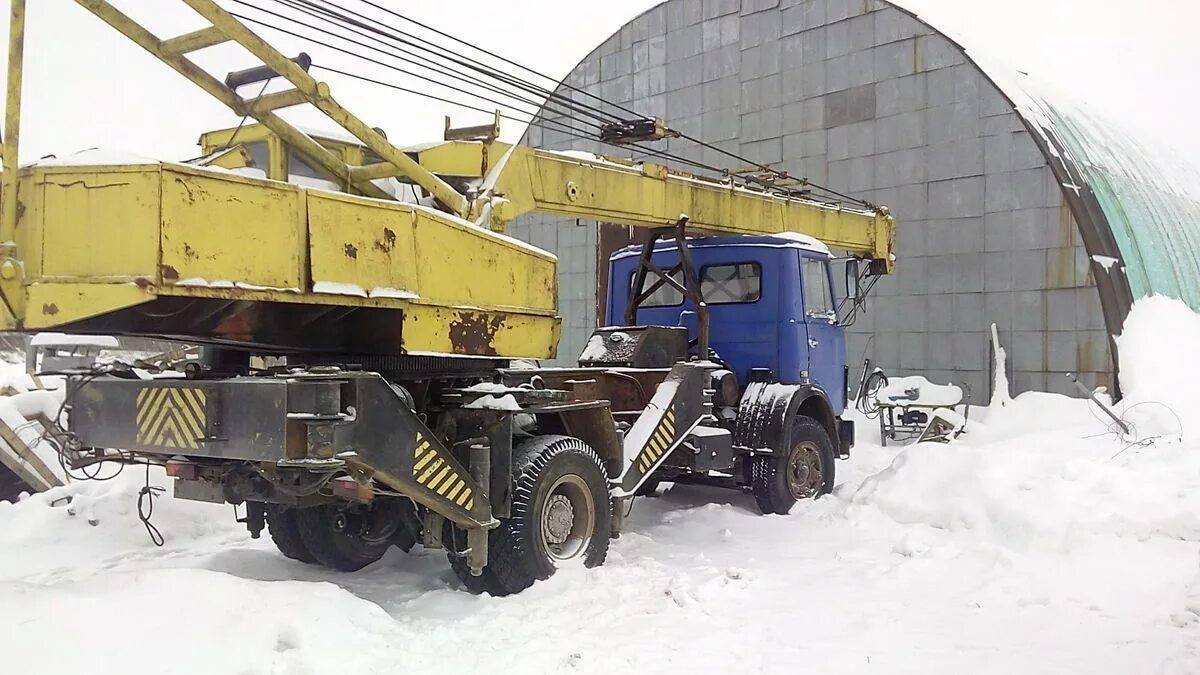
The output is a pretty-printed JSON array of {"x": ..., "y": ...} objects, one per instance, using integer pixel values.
[
  {"x": 50, "y": 309},
  {"x": 169, "y": 273},
  {"x": 388, "y": 242},
  {"x": 351, "y": 251},
  {"x": 475, "y": 333}
]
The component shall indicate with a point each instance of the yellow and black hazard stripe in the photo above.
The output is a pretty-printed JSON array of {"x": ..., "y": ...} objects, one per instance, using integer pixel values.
[
  {"x": 435, "y": 473},
  {"x": 171, "y": 417},
  {"x": 660, "y": 441}
]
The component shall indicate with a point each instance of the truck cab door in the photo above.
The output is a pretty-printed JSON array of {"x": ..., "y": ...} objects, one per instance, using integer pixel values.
[{"x": 826, "y": 339}]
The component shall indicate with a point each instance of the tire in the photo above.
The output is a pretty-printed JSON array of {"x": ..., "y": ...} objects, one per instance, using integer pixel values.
[
  {"x": 285, "y": 532},
  {"x": 340, "y": 536},
  {"x": 802, "y": 470},
  {"x": 560, "y": 512},
  {"x": 455, "y": 541}
]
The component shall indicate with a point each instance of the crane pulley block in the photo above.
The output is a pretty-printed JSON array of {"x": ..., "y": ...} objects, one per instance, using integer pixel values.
[{"x": 642, "y": 130}]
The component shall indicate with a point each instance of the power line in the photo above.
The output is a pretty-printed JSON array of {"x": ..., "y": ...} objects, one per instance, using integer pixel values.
[
  {"x": 398, "y": 54},
  {"x": 441, "y": 52},
  {"x": 350, "y": 22},
  {"x": 535, "y": 116},
  {"x": 394, "y": 67},
  {"x": 537, "y": 120},
  {"x": 492, "y": 54},
  {"x": 368, "y": 59},
  {"x": 739, "y": 158}
]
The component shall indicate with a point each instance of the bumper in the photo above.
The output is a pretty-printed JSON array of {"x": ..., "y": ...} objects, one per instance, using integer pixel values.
[{"x": 311, "y": 423}]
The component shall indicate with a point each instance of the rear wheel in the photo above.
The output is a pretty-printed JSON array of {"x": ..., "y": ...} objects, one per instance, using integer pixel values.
[
  {"x": 285, "y": 532},
  {"x": 801, "y": 470},
  {"x": 560, "y": 515},
  {"x": 348, "y": 537}
]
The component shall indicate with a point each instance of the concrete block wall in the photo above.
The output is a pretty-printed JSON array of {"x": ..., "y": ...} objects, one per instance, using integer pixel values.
[{"x": 860, "y": 97}]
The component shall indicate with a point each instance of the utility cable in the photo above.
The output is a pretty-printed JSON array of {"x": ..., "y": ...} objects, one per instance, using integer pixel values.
[
  {"x": 704, "y": 144},
  {"x": 478, "y": 49},
  {"x": 311, "y": 8},
  {"x": 432, "y": 49},
  {"x": 377, "y": 62},
  {"x": 391, "y": 51}
]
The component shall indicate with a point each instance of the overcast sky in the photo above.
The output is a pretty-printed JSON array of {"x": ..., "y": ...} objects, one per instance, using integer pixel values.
[{"x": 86, "y": 86}]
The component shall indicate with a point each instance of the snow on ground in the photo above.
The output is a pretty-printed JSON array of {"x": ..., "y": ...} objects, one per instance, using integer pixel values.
[{"x": 1038, "y": 543}]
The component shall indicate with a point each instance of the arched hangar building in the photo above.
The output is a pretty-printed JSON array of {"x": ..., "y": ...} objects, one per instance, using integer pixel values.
[{"x": 1013, "y": 207}]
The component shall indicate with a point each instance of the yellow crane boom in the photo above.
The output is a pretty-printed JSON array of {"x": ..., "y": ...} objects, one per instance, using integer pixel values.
[{"x": 207, "y": 254}]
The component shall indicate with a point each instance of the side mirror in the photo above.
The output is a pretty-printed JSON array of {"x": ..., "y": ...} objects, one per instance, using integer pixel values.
[
  {"x": 856, "y": 295},
  {"x": 853, "y": 281}
]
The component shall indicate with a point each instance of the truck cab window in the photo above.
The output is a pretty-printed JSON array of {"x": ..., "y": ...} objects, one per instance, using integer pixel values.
[
  {"x": 663, "y": 296},
  {"x": 259, "y": 153},
  {"x": 298, "y": 166},
  {"x": 731, "y": 284},
  {"x": 818, "y": 301},
  {"x": 720, "y": 285}
]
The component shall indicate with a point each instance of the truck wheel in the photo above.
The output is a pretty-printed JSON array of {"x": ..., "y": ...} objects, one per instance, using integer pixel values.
[
  {"x": 560, "y": 514},
  {"x": 802, "y": 471},
  {"x": 347, "y": 537},
  {"x": 455, "y": 541},
  {"x": 285, "y": 532}
]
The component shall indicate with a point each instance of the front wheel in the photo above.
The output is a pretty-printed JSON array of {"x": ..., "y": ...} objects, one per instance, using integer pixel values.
[
  {"x": 803, "y": 469},
  {"x": 560, "y": 515}
]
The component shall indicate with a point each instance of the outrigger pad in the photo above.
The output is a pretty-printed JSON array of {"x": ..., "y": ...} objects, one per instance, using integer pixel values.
[{"x": 675, "y": 409}]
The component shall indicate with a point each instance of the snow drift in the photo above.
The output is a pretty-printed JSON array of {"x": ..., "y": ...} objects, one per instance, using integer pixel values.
[{"x": 1041, "y": 541}]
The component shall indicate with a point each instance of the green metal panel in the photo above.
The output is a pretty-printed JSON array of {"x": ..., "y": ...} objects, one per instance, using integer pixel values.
[{"x": 1150, "y": 200}]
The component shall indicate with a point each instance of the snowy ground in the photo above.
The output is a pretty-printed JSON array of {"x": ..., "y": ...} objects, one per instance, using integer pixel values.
[{"x": 1039, "y": 543}]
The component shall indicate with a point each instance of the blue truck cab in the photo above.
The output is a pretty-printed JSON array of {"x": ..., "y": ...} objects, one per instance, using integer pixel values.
[{"x": 772, "y": 307}]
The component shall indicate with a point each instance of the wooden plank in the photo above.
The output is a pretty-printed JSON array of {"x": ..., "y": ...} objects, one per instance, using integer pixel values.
[
  {"x": 29, "y": 477},
  {"x": 32, "y": 461}
]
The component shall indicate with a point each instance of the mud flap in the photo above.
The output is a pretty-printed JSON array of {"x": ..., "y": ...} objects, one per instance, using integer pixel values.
[{"x": 676, "y": 408}]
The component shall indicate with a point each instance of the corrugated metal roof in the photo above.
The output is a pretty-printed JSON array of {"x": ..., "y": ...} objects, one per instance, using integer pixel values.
[{"x": 1133, "y": 200}]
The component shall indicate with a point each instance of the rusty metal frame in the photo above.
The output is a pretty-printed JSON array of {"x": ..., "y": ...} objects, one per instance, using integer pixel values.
[{"x": 690, "y": 289}]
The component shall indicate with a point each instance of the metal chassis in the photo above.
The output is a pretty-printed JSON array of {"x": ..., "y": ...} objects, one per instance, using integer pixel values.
[{"x": 290, "y": 432}]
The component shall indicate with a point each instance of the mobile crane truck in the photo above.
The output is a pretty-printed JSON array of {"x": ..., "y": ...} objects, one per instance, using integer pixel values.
[{"x": 397, "y": 418}]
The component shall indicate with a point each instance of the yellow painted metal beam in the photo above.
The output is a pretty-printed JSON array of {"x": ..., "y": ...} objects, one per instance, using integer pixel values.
[
  {"x": 12, "y": 120},
  {"x": 295, "y": 138},
  {"x": 197, "y": 233},
  {"x": 57, "y": 304},
  {"x": 10, "y": 265},
  {"x": 195, "y": 41},
  {"x": 275, "y": 101},
  {"x": 647, "y": 195},
  {"x": 319, "y": 96}
]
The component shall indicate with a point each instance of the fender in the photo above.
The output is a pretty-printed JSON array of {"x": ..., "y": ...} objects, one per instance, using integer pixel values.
[{"x": 767, "y": 409}]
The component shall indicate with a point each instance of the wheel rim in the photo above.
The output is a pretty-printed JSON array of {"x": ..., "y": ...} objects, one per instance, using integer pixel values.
[
  {"x": 804, "y": 474},
  {"x": 568, "y": 518}
]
